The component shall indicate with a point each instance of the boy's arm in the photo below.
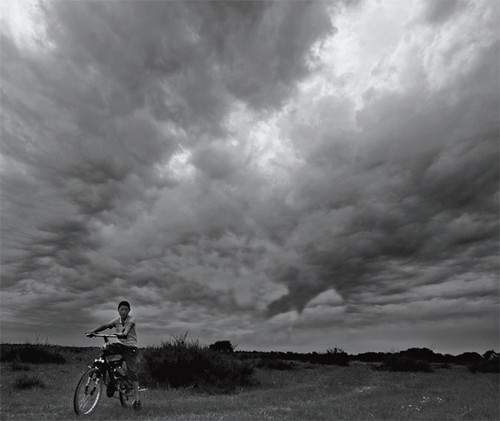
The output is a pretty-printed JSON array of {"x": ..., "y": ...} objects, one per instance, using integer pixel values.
[{"x": 127, "y": 328}]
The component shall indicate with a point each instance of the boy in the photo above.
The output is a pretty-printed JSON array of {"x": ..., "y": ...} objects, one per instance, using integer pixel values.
[{"x": 127, "y": 347}]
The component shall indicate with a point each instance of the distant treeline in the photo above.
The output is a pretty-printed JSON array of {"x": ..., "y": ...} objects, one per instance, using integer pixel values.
[
  {"x": 337, "y": 356},
  {"x": 49, "y": 353},
  {"x": 427, "y": 355},
  {"x": 181, "y": 362}
]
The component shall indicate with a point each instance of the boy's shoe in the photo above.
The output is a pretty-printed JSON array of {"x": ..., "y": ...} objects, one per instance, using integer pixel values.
[{"x": 137, "y": 405}]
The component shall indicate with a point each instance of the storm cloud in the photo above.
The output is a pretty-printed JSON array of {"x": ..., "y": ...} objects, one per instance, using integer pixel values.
[{"x": 289, "y": 175}]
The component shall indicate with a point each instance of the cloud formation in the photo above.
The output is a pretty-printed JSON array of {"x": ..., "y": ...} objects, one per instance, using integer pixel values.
[{"x": 277, "y": 173}]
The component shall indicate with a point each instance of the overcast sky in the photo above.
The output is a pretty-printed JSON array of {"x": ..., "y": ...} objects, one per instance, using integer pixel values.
[{"x": 285, "y": 175}]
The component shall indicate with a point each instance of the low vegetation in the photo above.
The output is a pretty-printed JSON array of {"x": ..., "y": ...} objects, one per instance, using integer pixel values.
[
  {"x": 27, "y": 381},
  {"x": 485, "y": 366},
  {"x": 333, "y": 356},
  {"x": 403, "y": 363},
  {"x": 259, "y": 385},
  {"x": 31, "y": 353},
  {"x": 306, "y": 392},
  {"x": 188, "y": 363},
  {"x": 274, "y": 364}
]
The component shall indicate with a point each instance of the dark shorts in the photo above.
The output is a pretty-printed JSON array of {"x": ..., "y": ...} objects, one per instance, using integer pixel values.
[{"x": 129, "y": 354}]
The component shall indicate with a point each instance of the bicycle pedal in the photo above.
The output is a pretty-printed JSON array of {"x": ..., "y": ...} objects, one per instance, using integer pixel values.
[{"x": 142, "y": 389}]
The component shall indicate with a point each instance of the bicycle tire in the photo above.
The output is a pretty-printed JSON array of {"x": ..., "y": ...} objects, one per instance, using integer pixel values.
[
  {"x": 126, "y": 393},
  {"x": 88, "y": 392}
]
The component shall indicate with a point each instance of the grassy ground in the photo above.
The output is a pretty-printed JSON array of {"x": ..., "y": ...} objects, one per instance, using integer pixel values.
[{"x": 307, "y": 393}]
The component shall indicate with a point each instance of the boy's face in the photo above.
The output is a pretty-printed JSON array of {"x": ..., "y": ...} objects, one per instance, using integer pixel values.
[{"x": 123, "y": 311}]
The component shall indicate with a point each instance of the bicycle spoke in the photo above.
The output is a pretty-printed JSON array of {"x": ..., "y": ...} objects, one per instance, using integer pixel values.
[
  {"x": 88, "y": 392},
  {"x": 84, "y": 402}
]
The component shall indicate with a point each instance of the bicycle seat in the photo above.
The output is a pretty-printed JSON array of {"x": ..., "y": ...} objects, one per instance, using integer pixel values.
[{"x": 114, "y": 358}]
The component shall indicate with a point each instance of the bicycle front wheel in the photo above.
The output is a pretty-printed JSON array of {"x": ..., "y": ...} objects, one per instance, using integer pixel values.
[{"x": 88, "y": 392}]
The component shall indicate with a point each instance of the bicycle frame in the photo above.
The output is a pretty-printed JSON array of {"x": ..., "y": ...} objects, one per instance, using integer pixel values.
[
  {"x": 103, "y": 371},
  {"x": 103, "y": 362}
]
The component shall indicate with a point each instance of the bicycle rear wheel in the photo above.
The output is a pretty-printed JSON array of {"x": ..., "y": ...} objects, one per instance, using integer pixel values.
[
  {"x": 88, "y": 392},
  {"x": 126, "y": 392}
]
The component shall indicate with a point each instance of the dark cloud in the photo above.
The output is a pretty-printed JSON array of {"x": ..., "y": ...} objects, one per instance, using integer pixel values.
[
  {"x": 440, "y": 11},
  {"x": 205, "y": 161},
  {"x": 419, "y": 188}
]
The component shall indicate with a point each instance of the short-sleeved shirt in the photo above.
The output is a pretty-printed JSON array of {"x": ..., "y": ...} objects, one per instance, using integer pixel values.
[{"x": 131, "y": 339}]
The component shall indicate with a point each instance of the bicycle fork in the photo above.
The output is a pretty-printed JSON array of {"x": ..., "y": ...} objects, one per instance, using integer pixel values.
[{"x": 94, "y": 383}]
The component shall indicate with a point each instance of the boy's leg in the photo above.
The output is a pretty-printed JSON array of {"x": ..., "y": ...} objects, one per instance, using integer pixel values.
[
  {"x": 137, "y": 399},
  {"x": 130, "y": 356},
  {"x": 136, "y": 391}
]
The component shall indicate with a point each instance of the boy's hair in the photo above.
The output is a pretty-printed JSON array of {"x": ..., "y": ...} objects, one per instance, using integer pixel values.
[{"x": 124, "y": 303}]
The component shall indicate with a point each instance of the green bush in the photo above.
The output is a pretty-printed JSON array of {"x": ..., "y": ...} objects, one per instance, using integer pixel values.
[
  {"x": 27, "y": 381},
  {"x": 182, "y": 363},
  {"x": 402, "y": 363},
  {"x": 31, "y": 353}
]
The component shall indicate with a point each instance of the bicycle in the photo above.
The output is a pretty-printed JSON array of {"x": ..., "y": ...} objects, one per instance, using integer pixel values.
[{"x": 105, "y": 370}]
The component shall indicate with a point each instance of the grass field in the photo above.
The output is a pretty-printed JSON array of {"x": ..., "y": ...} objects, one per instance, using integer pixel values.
[{"x": 309, "y": 392}]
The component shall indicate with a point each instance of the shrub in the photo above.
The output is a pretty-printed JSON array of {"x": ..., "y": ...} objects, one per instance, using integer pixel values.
[
  {"x": 420, "y": 354},
  {"x": 402, "y": 363},
  {"x": 28, "y": 353},
  {"x": 334, "y": 356},
  {"x": 222, "y": 346},
  {"x": 370, "y": 357},
  {"x": 490, "y": 355},
  {"x": 337, "y": 356},
  {"x": 26, "y": 381},
  {"x": 274, "y": 364},
  {"x": 443, "y": 365},
  {"x": 181, "y": 363},
  {"x": 485, "y": 366},
  {"x": 468, "y": 358}
]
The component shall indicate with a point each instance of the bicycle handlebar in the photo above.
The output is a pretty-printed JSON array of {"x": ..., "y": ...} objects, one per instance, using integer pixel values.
[{"x": 101, "y": 335}]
